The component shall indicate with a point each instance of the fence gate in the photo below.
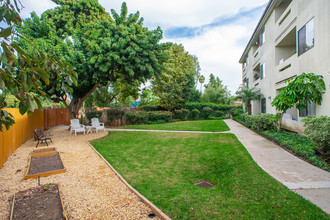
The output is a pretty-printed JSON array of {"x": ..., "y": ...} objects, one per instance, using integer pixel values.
[{"x": 56, "y": 117}]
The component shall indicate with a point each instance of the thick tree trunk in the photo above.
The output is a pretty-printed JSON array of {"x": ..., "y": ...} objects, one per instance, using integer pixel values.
[{"x": 75, "y": 104}]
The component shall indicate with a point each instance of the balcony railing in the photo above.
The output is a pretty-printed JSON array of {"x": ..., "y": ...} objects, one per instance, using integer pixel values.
[
  {"x": 286, "y": 69},
  {"x": 287, "y": 19}
]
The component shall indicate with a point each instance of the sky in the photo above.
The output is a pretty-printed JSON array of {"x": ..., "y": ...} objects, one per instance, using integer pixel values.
[{"x": 216, "y": 31}]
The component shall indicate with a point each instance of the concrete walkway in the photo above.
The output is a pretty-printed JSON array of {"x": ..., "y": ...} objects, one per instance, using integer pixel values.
[{"x": 307, "y": 180}]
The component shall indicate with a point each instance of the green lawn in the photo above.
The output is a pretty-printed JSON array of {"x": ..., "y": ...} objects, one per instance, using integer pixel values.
[
  {"x": 202, "y": 125},
  {"x": 164, "y": 166}
]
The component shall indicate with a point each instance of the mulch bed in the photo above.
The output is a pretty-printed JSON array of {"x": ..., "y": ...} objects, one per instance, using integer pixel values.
[{"x": 42, "y": 202}]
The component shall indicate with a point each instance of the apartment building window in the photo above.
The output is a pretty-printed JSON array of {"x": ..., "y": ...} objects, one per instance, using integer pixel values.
[
  {"x": 263, "y": 105},
  {"x": 262, "y": 37},
  {"x": 262, "y": 71},
  {"x": 310, "y": 111},
  {"x": 247, "y": 83},
  {"x": 306, "y": 37}
]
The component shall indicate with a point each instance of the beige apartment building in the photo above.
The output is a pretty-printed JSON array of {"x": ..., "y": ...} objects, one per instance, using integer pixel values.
[{"x": 292, "y": 37}]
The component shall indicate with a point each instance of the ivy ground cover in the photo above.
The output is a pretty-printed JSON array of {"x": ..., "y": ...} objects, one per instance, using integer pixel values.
[
  {"x": 165, "y": 166},
  {"x": 199, "y": 125}
]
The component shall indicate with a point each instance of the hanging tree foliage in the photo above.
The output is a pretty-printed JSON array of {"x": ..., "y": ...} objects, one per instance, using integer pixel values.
[{"x": 22, "y": 73}]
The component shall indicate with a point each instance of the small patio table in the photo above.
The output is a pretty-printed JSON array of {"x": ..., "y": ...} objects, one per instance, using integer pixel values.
[{"x": 89, "y": 129}]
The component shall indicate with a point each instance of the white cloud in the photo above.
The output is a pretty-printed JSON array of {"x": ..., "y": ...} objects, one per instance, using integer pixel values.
[
  {"x": 38, "y": 6},
  {"x": 175, "y": 13}
]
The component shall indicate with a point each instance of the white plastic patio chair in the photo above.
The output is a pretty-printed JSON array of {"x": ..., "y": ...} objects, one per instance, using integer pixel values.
[
  {"x": 97, "y": 125},
  {"x": 76, "y": 126}
]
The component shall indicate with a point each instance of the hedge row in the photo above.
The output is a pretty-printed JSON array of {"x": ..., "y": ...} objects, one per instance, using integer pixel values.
[
  {"x": 259, "y": 122},
  {"x": 142, "y": 117},
  {"x": 205, "y": 110}
]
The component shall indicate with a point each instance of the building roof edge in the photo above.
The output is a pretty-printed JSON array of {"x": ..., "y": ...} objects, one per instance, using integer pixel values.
[{"x": 256, "y": 30}]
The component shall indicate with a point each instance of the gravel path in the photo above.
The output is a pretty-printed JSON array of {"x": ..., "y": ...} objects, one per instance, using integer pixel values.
[{"x": 89, "y": 188}]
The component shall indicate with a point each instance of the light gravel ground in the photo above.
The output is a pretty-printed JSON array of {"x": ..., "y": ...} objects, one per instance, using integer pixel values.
[{"x": 89, "y": 188}]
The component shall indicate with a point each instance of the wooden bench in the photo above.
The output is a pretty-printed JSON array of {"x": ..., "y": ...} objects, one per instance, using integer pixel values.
[{"x": 41, "y": 137}]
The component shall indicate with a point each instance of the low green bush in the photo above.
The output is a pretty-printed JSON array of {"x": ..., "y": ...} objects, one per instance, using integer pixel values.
[
  {"x": 259, "y": 122},
  {"x": 143, "y": 117},
  {"x": 181, "y": 114},
  {"x": 236, "y": 111},
  {"x": 114, "y": 114},
  {"x": 206, "y": 112},
  {"x": 195, "y": 113},
  {"x": 160, "y": 116},
  {"x": 218, "y": 114},
  {"x": 150, "y": 107},
  {"x": 138, "y": 117},
  {"x": 318, "y": 130},
  {"x": 299, "y": 145},
  {"x": 93, "y": 114}
]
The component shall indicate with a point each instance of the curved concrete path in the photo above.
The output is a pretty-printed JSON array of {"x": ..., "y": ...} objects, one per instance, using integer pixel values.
[{"x": 301, "y": 177}]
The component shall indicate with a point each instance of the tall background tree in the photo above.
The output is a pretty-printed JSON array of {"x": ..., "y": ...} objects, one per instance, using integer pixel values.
[
  {"x": 101, "y": 48},
  {"x": 176, "y": 83},
  {"x": 247, "y": 95},
  {"x": 216, "y": 92}
]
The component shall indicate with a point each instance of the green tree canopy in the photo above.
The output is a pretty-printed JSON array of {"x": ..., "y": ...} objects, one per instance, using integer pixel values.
[
  {"x": 101, "y": 48},
  {"x": 216, "y": 92},
  {"x": 176, "y": 82},
  {"x": 247, "y": 95}
]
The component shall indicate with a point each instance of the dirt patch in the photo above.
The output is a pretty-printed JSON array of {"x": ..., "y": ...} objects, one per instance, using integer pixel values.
[
  {"x": 41, "y": 202},
  {"x": 45, "y": 165}
]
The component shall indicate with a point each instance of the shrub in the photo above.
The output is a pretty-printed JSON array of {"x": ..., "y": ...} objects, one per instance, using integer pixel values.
[
  {"x": 181, "y": 114},
  {"x": 114, "y": 114},
  {"x": 318, "y": 130},
  {"x": 243, "y": 117},
  {"x": 236, "y": 111},
  {"x": 300, "y": 145},
  {"x": 142, "y": 117},
  {"x": 259, "y": 122},
  {"x": 160, "y": 116},
  {"x": 218, "y": 114},
  {"x": 177, "y": 114},
  {"x": 185, "y": 113},
  {"x": 216, "y": 107},
  {"x": 150, "y": 107},
  {"x": 93, "y": 114},
  {"x": 138, "y": 117},
  {"x": 195, "y": 113},
  {"x": 206, "y": 112}
]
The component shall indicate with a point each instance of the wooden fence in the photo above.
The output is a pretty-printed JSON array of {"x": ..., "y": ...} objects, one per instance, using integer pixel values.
[
  {"x": 56, "y": 117},
  {"x": 21, "y": 131}
]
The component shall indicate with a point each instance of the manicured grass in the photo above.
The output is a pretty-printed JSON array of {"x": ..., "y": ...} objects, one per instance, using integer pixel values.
[
  {"x": 202, "y": 125},
  {"x": 164, "y": 166}
]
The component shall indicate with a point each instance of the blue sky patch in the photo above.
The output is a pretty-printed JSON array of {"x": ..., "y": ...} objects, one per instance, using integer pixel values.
[{"x": 190, "y": 32}]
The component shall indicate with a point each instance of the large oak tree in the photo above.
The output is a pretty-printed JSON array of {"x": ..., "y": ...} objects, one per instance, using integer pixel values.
[{"x": 101, "y": 48}]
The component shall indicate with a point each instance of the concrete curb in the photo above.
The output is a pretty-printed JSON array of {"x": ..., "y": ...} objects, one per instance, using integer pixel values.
[{"x": 154, "y": 208}]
